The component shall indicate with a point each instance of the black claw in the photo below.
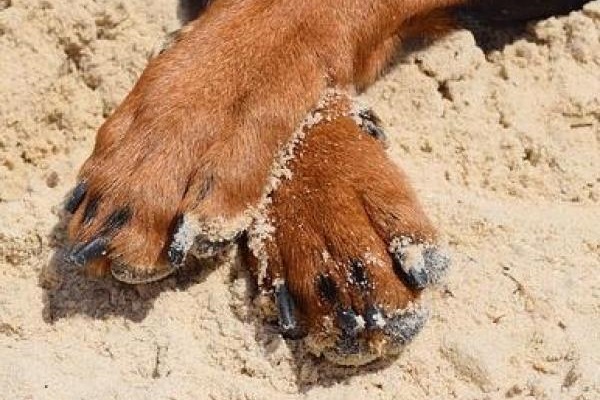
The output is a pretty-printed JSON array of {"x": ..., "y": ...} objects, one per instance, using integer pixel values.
[
  {"x": 76, "y": 197},
  {"x": 327, "y": 288},
  {"x": 287, "y": 319},
  {"x": 359, "y": 275},
  {"x": 374, "y": 318},
  {"x": 83, "y": 253},
  {"x": 176, "y": 251},
  {"x": 370, "y": 123},
  {"x": 416, "y": 279}
]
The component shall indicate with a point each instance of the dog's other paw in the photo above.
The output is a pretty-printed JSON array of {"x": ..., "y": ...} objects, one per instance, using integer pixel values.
[
  {"x": 345, "y": 249},
  {"x": 180, "y": 162}
]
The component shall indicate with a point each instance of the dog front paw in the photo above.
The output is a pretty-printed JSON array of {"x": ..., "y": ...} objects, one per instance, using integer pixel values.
[
  {"x": 177, "y": 167},
  {"x": 349, "y": 248}
]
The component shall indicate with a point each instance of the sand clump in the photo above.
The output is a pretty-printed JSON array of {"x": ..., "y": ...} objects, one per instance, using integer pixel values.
[{"x": 503, "y": 147}]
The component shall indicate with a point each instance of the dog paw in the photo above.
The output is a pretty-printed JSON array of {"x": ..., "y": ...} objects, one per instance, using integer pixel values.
[
  {"x": 152, "y": 193},
  {"x": 179, "y": 164},
  {"x": 344, "y": 249}
]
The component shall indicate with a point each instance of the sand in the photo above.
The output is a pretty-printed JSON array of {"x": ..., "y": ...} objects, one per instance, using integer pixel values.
[{"x": 503, "y": 148}]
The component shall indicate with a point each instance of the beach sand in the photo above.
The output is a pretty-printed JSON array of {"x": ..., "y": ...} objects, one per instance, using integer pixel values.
[{"x": 502, "y": 146}]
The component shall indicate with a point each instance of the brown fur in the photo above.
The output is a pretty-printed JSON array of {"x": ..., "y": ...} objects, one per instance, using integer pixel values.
[
  {"x": 210, "y": 112},
  {"x": 347, "y": 199},
  {"x": 198, "y": 134}
]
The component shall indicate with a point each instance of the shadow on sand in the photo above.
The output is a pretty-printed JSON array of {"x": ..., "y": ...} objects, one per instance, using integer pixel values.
[{"x": 70, "y": 292}]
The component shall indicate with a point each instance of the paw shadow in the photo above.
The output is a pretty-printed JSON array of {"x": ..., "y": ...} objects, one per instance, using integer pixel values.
[
  {"x": 68, "y": 291},
  {"x": 490, "y": 36},
  {"x": 493, "y": 37},
  {"x": 496, "y": 25}
]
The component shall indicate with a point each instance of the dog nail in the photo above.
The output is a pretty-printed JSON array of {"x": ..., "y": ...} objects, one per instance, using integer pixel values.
[
  {"x": 76, "y": 197},
  {"x": 81, "y": 254},
  {"x": 414, "y": 275},
  {"x": 285, "y": 306}
]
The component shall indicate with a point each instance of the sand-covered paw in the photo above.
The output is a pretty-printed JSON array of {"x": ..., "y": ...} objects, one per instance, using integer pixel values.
[
  {"x": 344, "y": 249},
  {"x": 186, "y": 155},
  {"x": 139, "y": 235}
]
